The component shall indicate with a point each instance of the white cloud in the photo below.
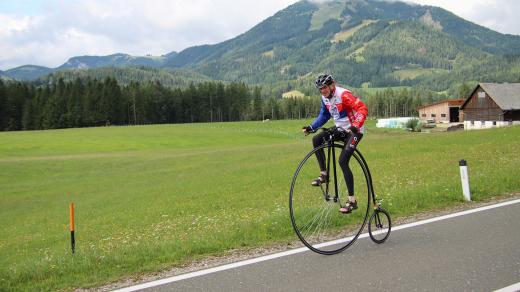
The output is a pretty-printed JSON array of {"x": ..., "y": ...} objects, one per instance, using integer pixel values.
[
  {"x": 58, "y": 29},
  {"x": 12, "y": 25},
  {"x": 99, "y": 27}
]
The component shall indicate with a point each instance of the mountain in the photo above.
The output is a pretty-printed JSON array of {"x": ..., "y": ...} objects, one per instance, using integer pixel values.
[
  {"x": 27, "y": 72},
  {"x": 115, "y": 60},
  {"x": 31, "y": 72},
  {"x": 364, "y": 43},
  {"x": 5, "y": 77}
]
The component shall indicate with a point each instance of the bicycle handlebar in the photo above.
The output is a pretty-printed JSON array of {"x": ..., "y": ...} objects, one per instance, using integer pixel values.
[
  {"x": 335, "y": 132},
  {"x": 332, "y": 132}
]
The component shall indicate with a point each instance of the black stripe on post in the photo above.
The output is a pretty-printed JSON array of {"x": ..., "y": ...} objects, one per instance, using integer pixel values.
[{"x": 72, "y": 241}]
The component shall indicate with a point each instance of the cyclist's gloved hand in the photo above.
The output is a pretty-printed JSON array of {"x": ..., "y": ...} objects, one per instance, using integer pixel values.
[
  {"x": 307, "y": 129},
  {"x": 354, "y": 129}
]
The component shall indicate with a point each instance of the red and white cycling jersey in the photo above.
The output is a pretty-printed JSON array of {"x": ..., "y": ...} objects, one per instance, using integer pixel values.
[{"x": 345, "y": 108}]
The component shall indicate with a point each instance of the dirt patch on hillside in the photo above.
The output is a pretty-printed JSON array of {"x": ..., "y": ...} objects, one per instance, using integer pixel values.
[{"x": 249, "y": 253}]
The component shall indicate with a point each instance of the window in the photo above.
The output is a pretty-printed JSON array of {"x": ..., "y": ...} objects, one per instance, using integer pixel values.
[
  {"x": 434, "y": 115},
  {"x": 481, "y": 99},
  {"x": 424, "y": 115},
  {"x": 443, "y": 115}
]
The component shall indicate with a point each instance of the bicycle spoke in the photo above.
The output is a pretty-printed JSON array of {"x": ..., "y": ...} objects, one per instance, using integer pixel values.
[
  {"x": 317, "y": 221},
  {"x": 321, "y": 227}
]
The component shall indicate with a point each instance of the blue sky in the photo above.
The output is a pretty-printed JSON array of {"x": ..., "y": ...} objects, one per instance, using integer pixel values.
[
  {"x": 48, "y": 33},
  {"x": 22, "y": 7}
]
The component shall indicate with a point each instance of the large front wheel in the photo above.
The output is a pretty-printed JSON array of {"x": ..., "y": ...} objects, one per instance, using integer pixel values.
[{"x": 314, "y": 210}]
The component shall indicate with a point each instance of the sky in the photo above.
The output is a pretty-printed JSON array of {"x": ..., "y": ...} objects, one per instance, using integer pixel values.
[{"x": 49, "y": 32}]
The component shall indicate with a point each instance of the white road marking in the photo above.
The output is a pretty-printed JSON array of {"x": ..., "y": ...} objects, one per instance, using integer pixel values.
[
  {"x": 515, "y": 287},
  {"x": 512, "y": 288}
]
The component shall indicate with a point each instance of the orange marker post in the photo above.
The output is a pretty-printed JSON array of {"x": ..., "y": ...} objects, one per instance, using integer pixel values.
[{"x": 72, "y": 240}]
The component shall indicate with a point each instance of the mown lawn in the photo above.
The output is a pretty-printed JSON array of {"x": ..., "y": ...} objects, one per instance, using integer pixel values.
[{"x": 151, "y": 197}]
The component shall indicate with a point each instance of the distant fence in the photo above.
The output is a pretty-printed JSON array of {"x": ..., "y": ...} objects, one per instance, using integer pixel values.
[{"x": 477, "y": 125}]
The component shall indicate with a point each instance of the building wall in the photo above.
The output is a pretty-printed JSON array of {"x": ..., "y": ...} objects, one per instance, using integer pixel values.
[
  {"x": 477, "y": 125},
  {"x": 481, "y": 107},
  {"x": 438, "y": 112}
]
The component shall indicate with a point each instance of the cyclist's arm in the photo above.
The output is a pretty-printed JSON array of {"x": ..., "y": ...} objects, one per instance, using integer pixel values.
[
  {"x": 322, "y": 118},
  {"x": 357, "y": 107}
]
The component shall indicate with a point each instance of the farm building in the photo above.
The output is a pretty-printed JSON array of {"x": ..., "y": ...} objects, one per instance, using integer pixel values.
[
  {"x": 492, "y": 104},
  {"x": 446, "y": 111}
]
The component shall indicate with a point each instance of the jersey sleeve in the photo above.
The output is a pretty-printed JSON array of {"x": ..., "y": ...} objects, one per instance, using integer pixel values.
[
  {"x": 356, "y": 107},
  {"x": 322, "y": 118}
]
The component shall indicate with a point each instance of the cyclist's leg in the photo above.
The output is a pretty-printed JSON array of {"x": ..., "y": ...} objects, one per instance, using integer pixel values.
[
  {"x": 344, "y": 159},
  {"x": 317, "y": 140}
]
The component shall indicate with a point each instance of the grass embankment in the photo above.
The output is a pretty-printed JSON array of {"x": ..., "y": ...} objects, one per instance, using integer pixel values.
[{"x": 151, "y": 197}]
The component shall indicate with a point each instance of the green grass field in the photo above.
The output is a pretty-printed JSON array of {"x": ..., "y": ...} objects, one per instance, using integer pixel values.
[
  {"x": 414, "y": 73},
  {"x": 344, "y": 35},
  {"x": 293, "y": 94},
  {"x": 324, "y": 13},
  {"x": 151, "y": 197}
]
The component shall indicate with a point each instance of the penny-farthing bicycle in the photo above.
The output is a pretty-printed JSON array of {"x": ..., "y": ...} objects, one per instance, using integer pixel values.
[{"x": 314, "y": 209}]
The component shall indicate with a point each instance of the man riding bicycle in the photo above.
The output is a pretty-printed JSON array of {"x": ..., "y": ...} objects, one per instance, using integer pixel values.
[{"x": 349, "y": 114}]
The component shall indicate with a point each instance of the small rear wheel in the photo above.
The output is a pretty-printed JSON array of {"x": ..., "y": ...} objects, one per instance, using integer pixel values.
[{"x": 379, "y": 226}]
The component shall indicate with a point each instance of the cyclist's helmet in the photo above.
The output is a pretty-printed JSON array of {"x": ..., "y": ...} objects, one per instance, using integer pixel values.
[{"x": 322, "y": 80}]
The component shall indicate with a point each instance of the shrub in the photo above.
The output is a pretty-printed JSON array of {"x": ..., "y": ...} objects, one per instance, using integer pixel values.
[{"x": 414, "y": 125}]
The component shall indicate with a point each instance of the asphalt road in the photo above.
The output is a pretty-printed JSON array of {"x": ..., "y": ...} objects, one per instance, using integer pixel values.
[{"x": 474, "y": 252}]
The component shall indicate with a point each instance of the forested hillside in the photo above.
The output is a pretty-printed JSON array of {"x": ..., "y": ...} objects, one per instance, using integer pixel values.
[
  {"x": 125, "y": 76},
  {"x": 368, "y": 43},
  {"x": 115, "y": 60}
]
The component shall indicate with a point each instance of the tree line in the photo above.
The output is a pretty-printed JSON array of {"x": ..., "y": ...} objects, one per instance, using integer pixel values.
[{"x": 92, "y": 102}]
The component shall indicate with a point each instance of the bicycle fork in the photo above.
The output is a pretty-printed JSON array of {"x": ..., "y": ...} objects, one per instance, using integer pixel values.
[{"x": 331, "y": 155}]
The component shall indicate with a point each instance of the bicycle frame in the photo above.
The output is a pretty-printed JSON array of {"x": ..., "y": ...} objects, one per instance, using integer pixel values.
[
  {"x": 332, "y": 157},
  {"x": 336, "y": 191}
]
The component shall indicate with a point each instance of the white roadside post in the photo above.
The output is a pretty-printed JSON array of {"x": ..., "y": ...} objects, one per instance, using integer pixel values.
[{"x": 464, "y": 178}]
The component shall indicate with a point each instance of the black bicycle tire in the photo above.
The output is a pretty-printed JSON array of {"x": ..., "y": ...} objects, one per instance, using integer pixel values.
[
  {"x": 359, "y": 158},
  {"x": 376, "y": 213}
]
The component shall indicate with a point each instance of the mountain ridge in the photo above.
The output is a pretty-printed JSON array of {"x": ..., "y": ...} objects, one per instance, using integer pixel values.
[
  {"x": 365, "y": 42},
  {"x": 89, "y": 62}
]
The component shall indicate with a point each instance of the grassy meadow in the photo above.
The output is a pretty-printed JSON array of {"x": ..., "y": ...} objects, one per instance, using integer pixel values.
[{"x": 151, "y": 197}]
